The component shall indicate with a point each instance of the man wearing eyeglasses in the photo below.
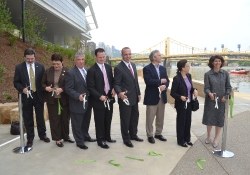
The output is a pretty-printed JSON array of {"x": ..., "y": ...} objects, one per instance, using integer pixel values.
[{"x": 27, "y": 80}]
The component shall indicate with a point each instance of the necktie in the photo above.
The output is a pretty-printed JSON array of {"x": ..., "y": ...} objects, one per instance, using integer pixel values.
[
  {"x": 106, "y": 88},
  {"x": 32, "y": 79},
  {"x": 84, "y": 74},
  {"x": 129, "y": 67}
]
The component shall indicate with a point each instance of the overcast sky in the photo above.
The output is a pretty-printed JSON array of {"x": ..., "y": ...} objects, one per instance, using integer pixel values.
[{"x": 140, "y": 24}]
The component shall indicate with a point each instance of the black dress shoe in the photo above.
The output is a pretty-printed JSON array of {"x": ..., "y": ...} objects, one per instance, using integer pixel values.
[
  {"x": 103, "y": 145},
  {"x": 129, "y": 144},
  {"x": 137, "y": 139},
  {"x": 45, "y": 139},
  {"x": 190, "y": 143},
  {"x": 60, "y": 144},
  {"x": 183, "y": 145},
  {"x": 69, "y": 140},
  {"x": 111, "y": 140},
  {"x": 160, "y": 137},
  {"x": 151, "y": 140},
  {"x": 29, "y": 143},
  {"x": 82, "y": 146},
  {"x": 89, "y": 139}
]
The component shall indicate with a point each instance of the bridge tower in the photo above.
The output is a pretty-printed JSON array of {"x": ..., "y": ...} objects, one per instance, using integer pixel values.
[{"x": 167, "y": 53}]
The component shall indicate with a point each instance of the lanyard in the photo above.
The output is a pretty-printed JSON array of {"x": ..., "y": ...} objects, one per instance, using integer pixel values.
[
  {"x": 126, "y": 101},
  {"x": 159, "y": 92}
]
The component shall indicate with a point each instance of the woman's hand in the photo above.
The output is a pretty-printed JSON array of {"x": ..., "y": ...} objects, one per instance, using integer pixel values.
[
  {"x": 58, "y": 91},
  {"x": 183, "y": 98},
  {"x": 211, "y": 95},
  {"x": 223, "y": 99},
  {"x": 49, "y": 88},
  {"x": 195, "y": 93}
]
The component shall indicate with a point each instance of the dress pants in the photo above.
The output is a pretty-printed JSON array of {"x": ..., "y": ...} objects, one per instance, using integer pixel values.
[
  {"x": 29, "y": 120},
  {"x": 155, "y": 112},
  {"x": 103, "y": 118},
  {"x": 59, "y": 124},
  {"x": 78, "y": 127},
  {"x": 183, "y": 125},
  {"x": 129, "y": 116}
]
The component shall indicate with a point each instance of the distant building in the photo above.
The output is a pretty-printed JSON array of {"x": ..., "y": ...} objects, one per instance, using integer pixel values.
[
  {"x": 62, "y": 18},
  {"x": 91, "y": 46},
  {"x": 107, "y": 48}
]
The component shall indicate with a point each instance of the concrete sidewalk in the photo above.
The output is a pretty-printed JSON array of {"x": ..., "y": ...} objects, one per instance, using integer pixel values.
[{"x": 47, "y": 158}]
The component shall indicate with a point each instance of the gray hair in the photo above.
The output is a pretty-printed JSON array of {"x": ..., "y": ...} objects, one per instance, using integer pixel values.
[
  {"x": 77, "y": 54},
  {"x": 152, "y": 54}
]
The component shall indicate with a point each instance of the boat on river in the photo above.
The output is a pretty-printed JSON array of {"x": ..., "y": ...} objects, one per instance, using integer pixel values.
[{"x": 239, "y": 70}]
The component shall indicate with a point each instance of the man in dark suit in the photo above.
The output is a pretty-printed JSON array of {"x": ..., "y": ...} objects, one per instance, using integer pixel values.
[
  {"x": 100, "y": 83},
  {"x": 79, "y": 102},
  {"x": 127, "y": 87},
  {"x": 157, "y": 82},
  {"x": 27, "y": 80}
]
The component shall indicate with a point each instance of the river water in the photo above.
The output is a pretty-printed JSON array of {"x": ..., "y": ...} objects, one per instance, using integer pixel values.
[{"x": 241, "y": 82}]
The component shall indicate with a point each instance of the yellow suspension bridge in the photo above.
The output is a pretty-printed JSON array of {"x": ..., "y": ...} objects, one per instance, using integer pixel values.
[{"x": 173, "y": 50}]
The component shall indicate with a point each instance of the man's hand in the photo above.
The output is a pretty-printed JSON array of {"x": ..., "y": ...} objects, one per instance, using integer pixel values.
[
  {"x": 81, "y": 97},
  {"x": 25, "y": 90},
  {"x": 163, "y": 80},
  {"x": 113, "y": 93},
  {"x": 122, "y": 95},
  {"x": 49, "y": 88},
  {"x": 103, "y": 98},
  {"x": 162, "y": 87},
  {"x": 139, "y": 98}
]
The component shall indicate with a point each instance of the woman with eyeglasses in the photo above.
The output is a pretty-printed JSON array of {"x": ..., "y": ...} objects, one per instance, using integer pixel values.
[
  {"x": 53, "y": 82},
  {"x": 182, "y": 91}
]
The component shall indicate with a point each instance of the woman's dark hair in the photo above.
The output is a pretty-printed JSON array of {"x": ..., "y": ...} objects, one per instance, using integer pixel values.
[
  {"x": 56, "y": 57},
  {"x": 180, "y": 65},
  {"x": 212, "y": 58}
]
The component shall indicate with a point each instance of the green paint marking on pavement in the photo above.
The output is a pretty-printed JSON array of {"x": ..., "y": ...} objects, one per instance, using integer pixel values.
[
  {"x": 85, "y": 160},
  {"x": 152, "y": 153},
  {"x": 117, "y": 165},
  {"x": 198, "y": 163},
  {"x": 134, "y": 158}
]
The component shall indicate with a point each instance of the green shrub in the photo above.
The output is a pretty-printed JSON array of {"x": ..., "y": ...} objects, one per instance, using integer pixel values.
[
  {"x": 12, "y": 39},
  {"x": 7, "y": 95},
  {"x": 89, "y": 59}
]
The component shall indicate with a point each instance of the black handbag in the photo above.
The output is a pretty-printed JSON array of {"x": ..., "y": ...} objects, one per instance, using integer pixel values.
[
  {"x": 195, "y": 104},
  {"x": 14, "y": 128}
]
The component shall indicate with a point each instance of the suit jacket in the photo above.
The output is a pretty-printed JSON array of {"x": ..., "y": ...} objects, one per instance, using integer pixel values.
[
  {"x": 21, "y": 80},
  {"x": 124, "y": 81},
  {"x": 152, "y": 82},
  {"x": 95, "y": 83},
  {"x": 75, "y": 85},
  {"x": 179, "y": 88},
  {"x": 48, "y": 79}
]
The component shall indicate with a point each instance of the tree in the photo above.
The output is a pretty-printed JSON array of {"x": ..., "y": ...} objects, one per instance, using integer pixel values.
[
  {"x": 89, "y": 59},
  {"x": 34, "y": 23},
  {"x": 5, "y": 19}
]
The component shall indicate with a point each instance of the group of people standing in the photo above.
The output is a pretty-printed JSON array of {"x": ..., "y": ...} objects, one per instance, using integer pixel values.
[{"x": 73, "y": 93}]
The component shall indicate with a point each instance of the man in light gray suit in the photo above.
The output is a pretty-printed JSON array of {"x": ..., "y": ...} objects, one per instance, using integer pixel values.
[
  {"x": 79, "y": 104},
  {"x": 127, "y": 88}
]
